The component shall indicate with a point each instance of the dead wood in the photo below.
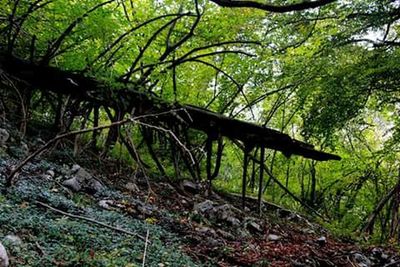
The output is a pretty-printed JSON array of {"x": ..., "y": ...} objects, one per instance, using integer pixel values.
[{"x": 127, "y": 99}]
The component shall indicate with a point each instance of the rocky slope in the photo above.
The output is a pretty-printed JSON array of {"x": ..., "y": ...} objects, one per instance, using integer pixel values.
[{"x": 61, "y": 214}]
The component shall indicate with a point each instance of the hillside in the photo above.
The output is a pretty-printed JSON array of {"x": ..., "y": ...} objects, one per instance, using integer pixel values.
[{"x": 61, "y": 214}]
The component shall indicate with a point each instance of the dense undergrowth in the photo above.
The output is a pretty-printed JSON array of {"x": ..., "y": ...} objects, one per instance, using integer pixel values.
[{"x": 49, "y": 239}]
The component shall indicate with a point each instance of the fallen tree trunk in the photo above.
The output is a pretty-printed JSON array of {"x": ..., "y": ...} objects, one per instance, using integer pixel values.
[{"x": 126, "y": 99}]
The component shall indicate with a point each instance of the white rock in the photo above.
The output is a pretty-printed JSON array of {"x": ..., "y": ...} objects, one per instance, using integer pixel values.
[
  {"x": 233, "y": 221},
  {"x": 73, "y": 184},
  {"x": 191, "y": 187},
  {"x": 361, "y": 260},
  {"x": 131, "y": 187},
  {"x": 106, "y": 204},
  {"x": 204, "y": 206},
  {"x": 273, "y": 237},
  {"x": 254, "y": 226},
  {"x": 4, "y": 262},
  {"x": 94, "y": 185},
  {"x": 13, "y": 240},
  {"x": 50, "y": 173},
  {"x": 75, "y": 168},
  {"x": 4, "y": 135},
  {"x": 24, "y": 149}
]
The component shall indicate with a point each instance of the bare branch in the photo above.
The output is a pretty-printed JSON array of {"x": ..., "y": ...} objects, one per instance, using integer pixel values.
[
  {"x": 117, "y": 229},
  {"x": 133, "y": 29},
  {"x": 127, "y": 76}
]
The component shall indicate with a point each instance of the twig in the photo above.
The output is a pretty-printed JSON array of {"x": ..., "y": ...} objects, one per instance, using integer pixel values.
[
  {"x": 90, "y": 220},
  {"x": 117, "y": 123},
  {"x": 55, "y": 139},
  {"x": 171, "y": 133},
  {"x": 39, "y": 247},
  {"x": 145, "y": 248}
]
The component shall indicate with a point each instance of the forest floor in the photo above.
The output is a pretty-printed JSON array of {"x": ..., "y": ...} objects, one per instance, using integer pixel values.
[{"x": 101, "y": 214}]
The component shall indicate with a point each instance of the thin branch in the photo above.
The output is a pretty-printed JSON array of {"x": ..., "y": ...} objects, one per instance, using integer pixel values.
[
  {"x": 117, "y": 229},
  {"x": 137, "y": 27},
  {"x": 127, "y": 76},
  {"x": 145, "y": 248},
  {"x": 65, "y": 135},
  {"x": 57, "y": 43},
  {"x": 185, "y": 58},
  {"x": 239, "y": 86},
  {"x": 172, "y": 135}
]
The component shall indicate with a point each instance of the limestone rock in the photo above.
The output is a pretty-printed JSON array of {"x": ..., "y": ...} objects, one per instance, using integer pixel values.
[
  {"x": 253, "y": 226},
  {"x": 131, "y": 187},
  {"x": 80, "y": 172},
  {"x": 225, "y": 211},
  {"x": 51, "y": 173},
  {"x": 190, "y": 187},
  {"x": 361, "y": 260},
  {"x": 204, "y": 207},
  {"x": 233, "y": 221},
  {"x": 273, "y": 237},
  {"x": 4, "y": 135},
  {"x": 74, "y": 184},
  {"x": 82, "y": 180},
  {"x": 94, "y": 186},
  {"x": 206, "y": 230},
  {"x": 24, "y": 149},
  {"x": 13, "y": 240},
  {"x": 106, "y": 204},
  {"x": 4, "y": 261}
]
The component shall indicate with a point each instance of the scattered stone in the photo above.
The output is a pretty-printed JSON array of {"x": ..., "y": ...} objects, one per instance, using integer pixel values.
[
  {"x": 74, "y": 184},
  {"x": 212, "y": 242},
  {"x": 131, "y": 187},
  {"x": 206, "y": 230},
  {"x": 297, "y": 264},
  {"x": 225, "y": 211},
  {"x": 190, "y": 187},
  {"x": 4, "y": 262},
  {"x": 80, "y": 172},
  {"x": 4, "y": 135},
  {"x": 13, "y": 240},
  {"x": 94, "y": 186},
  {"x": 253, "y": 226},
  {"x": 51, "y": 173},
  {"x": 82, "y": 180},
  {"x": 307, "y": 231},
  {"x": 203, "y": 207},
  {"x": 75, "y": 168},
  {"x": 233, "y": 221},
  {"x": 361, "y": 260},
  {"x": 106, "y": 204},
  {"x": 321, "y": 241},
  {"x": 145, "y": 209},
  {"x": 226, "y": 235},
  {"x": 24, "y": 149},
  {"x": 272, "y": 237}
]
